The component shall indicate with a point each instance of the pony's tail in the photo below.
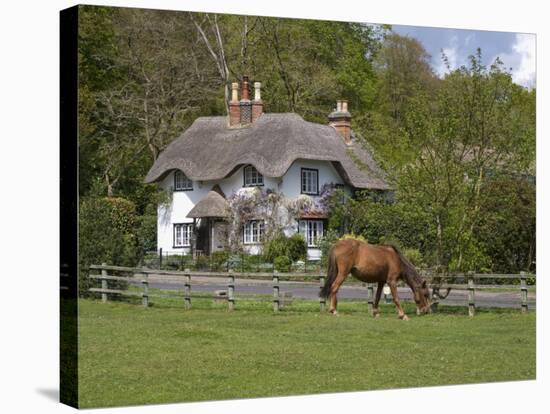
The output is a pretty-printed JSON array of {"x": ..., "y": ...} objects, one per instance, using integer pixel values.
[{"x": 331, "y": 275}]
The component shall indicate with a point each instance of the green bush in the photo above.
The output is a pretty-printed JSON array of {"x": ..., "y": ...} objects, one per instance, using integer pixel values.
[
  {"x": 282, "y": 264},
  {"x": 325, "y": 245},
  {"x": 202, "y": 263},
  {"x": 351, "y": 236},
  {"x": 106, "y": 235},
  {"x": 277, "y": 246},
  {"x": 147, "y": 229},
  {"x": 297, "y": 247},
  {"x": 218, "y": 261},
  {"x": 414, "y": 256},
  {"x": 172, "y": 262},
  {"x": 294, "y": 247}
]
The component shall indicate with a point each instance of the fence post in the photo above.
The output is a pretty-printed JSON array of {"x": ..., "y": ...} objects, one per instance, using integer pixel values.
[
  {"x": 187, "y": 289},
  {"x": 145, "y": 284},
  {"x": 370, "y": 298},
  {"x": 160, "y": 258},
  {"x": 435, "y": 295},
  {"x": 523, "y": 280},
  {"x": 231, "y": 291},
  {"x": 322, "y": 299},
  {"x": 104, "y": 283},
  {"x": 276, "y": 300},
  {"x": 471, "y": 294}
]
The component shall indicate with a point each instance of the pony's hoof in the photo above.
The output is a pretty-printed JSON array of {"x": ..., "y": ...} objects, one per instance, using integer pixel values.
[
  {"x": 404, "y": 318},
  {"x": 376, "y": 315}
]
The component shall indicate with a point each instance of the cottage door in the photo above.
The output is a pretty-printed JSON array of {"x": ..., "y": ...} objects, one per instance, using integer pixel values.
[{"x": 219, "y": 236}]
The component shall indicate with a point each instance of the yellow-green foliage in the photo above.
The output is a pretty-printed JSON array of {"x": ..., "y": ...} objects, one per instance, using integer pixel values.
[
  {"x": 123, "y": 213},
  {"x": 353, "y": 237}
]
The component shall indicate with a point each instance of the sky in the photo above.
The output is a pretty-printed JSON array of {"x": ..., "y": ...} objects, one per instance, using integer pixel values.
[{"x": 516, "y": 50}]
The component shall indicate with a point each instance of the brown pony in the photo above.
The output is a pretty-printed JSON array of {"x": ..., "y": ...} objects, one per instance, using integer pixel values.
[{"x": 374, "y": 263}]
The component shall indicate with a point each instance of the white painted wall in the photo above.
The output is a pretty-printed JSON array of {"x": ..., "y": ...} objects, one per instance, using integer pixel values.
[
  {"x": 184, "y": 201},
  {"x": 290, "y": 184}
]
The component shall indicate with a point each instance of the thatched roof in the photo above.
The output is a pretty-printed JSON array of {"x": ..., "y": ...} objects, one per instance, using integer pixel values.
[
  {"x": 213, "y": 205},
  {"x": 210, "y": 150}
]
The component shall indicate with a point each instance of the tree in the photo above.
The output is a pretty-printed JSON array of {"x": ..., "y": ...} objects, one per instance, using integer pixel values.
[
  {"x": 470, "y": 131},
  {"x": 155, "y": 86},
  {"x": 507, "y": 224},
  {"x": 404, "y": 70}
]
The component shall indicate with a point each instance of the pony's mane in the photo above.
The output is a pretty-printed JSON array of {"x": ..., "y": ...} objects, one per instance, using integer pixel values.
[{"x": 407, "y": 268}]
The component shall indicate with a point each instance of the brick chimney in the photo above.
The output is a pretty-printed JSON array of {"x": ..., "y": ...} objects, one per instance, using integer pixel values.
[
  {"x": 246, "y": 107},
  {"x": 257, "y": 104},
  {"x": 340, "y": 119},
  {"x": 234, "y": 106}
]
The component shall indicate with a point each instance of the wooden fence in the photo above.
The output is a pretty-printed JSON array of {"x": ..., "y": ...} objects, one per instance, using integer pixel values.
[{"x": 470, "y": 283}]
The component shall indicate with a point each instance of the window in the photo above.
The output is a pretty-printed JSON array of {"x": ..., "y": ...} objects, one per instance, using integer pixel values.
[
  {"x": 181, "y": 182},
  {"x": 183, "y": 234},
  {"x": 254, "y": 232},
  {"x": 252, "y": 177},
  {"x": 310, "y": 181},
  {"x": 312, "y": 231}
]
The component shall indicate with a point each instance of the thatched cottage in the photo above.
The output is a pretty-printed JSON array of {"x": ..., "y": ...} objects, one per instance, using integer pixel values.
[{"x": 219, "y": 158}]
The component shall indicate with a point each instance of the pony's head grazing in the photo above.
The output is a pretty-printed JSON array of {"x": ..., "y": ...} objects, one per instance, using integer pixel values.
[
  {"x": 421, "y": 291},
  {"x": 422, "y": 297}
]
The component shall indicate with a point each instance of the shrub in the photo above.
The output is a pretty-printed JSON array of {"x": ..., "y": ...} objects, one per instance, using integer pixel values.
[
  {"x": 297, "y": 247},
  {"x": 147, "y": 230},
  {"x": 218, "y": 261},
  {"x": 202, "y": 263},
  {"x": 106, "y": 234},
  {"x": 294, "y": 247},
  {"x": 282, "y": 264},
  {"x": 325, "y": 245},
  {"x": 171, "y": 262},
  {"x": 352, "y": 236},
  {"x": 414, "y": 256},
  {"x": 277, "y": 246}
]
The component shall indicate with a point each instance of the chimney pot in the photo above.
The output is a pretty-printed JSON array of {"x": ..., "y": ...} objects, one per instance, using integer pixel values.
[
  {"x": 235, "y": 92},
  {"x": 245, "y": 92},
  {"x": 344, "y": 106},
  {"x": 234, "y": 106},
  {"x": 257, "y": 104},
  {"x": 257, "y": 91}
]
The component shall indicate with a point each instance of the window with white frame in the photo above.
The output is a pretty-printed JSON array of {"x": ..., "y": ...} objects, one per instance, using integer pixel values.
[
  {"x": 254, "y": 232},
  {"x": 183, "y": 233},
  {"x": 312, "y": 230},
  {"x": 310, "y": 181},
  {"x": 181, "y": 182},
  {"x": 252, "y": 177}
]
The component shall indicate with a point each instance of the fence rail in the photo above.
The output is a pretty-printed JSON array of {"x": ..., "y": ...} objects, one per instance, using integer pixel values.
[{"x": 141, "y": 276}]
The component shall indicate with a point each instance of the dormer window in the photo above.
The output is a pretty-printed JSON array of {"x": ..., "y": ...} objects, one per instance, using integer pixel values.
[
  {"x": 310, "y": 181},
  {"x": 252, "y": 178},
  {"x": 181, "y": 182}
]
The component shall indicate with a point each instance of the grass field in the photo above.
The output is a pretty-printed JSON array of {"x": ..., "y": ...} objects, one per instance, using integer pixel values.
[{"x": 131, "y": 355}]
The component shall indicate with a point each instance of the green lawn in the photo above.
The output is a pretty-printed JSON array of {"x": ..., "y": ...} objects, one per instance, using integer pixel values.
[{"x": 131, "y": 355}]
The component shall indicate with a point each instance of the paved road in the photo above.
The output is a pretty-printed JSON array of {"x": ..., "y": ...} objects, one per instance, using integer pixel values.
[{"x": 348, "y": 291}]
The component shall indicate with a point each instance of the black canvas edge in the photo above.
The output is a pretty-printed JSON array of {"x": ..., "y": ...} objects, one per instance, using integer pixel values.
[{"x": 68, "y": 169}]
